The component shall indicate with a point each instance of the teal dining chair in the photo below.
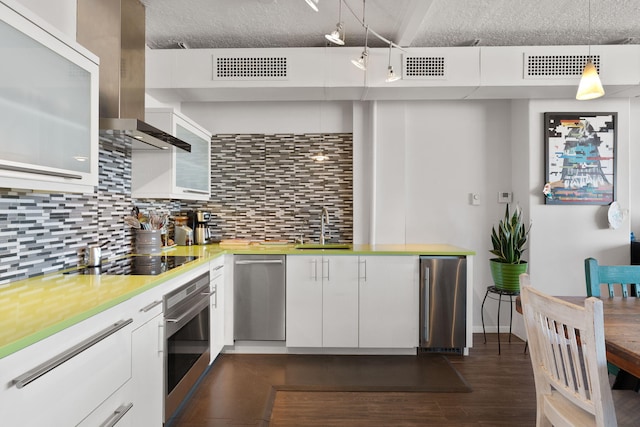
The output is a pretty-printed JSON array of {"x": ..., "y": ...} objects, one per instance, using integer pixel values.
[
  {"x": 621, "y": 280},
  {"x": 624, "y": 277}
]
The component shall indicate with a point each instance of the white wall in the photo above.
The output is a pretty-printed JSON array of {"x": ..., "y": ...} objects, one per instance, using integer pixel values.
[
  {"x": 59, "y": 13},
  {"x": 563, "y": 236},
  {"x": 429, "y": 156},
  {"x": 271, "y": 117}
]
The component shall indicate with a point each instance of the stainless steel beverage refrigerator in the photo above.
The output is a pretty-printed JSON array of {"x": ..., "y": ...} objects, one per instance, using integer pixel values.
[{"x": 443, "y": 303}]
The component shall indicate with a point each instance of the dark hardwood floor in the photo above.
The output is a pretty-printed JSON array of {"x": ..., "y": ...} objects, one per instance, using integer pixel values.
[{"x": 243, "y": 395}]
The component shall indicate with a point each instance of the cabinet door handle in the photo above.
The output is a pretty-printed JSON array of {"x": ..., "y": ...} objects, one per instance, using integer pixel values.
[
  {"x": 40, "y": 172},
  {"x": 364, "y": 269},
  {"x": 314, "y": 262},
  {"x": 58, "y": 360},
  {"x": 214, "y": 292},
  {"x": 161, "y": 339},
  {"x": 147, "y": 308},
  {"x": 327, "y": 262},
  {"x": 117, "y": 415}
]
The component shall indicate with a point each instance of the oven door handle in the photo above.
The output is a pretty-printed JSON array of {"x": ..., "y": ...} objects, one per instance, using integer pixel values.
[{"x": 192, "y": 312}]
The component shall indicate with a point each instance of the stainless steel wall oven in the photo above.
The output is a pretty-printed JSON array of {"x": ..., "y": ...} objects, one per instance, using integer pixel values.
[{"x": 187, "y": 346}]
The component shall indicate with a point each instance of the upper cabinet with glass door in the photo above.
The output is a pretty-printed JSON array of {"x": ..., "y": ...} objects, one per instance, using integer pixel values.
[
  {"x": 174, "y": 173},
  {"x": 48, "y": 105}
]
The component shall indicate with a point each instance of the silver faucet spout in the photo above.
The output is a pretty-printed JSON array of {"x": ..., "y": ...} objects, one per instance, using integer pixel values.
[{"x": 324, "y": 220}]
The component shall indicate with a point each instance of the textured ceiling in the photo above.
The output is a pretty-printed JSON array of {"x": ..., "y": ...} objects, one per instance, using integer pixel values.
[{"x": 415, "y": 23}]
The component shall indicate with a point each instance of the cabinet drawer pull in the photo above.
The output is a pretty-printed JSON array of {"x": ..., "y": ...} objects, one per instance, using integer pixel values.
[
  {"x": 39, "y": 172},
  {"x": 147, "y": 308},
  {"x": 58, "y": 360},
  {"x": 117, "y": 415},
  {"x": 195, "y": 191},
  {"x": 218, "y": 267}
]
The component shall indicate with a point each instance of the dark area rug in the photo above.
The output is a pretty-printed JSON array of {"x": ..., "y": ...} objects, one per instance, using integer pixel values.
[{"x": 422, "y": 373}]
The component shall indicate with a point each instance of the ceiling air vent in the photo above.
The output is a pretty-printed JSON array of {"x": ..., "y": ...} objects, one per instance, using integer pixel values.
[
  {"x": 424, "y": 67},
  {"x": 556, "y": 66},
  {"x": 249, "y": 68}
]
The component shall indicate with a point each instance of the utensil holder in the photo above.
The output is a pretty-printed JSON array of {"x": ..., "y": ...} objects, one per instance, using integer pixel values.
[{"x": 148, "y": 241}]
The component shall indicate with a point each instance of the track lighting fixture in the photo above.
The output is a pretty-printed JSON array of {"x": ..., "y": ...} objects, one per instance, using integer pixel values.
[
  {"x": 590, "y": 86},
  {"x": 362, "y": 61},
  {"x": 313, "y": 4},
  {"x": 337, "y": 36},
  {"x": 391, "y": 75}
]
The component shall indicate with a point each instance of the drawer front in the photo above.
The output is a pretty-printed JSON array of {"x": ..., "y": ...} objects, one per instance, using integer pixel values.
[
  {"x": 116, "y": 411},
  {"x": 67, "y": 392}
]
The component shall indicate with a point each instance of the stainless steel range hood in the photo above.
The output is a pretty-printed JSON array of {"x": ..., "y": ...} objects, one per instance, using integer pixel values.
[{"x": 115, "y": 31}]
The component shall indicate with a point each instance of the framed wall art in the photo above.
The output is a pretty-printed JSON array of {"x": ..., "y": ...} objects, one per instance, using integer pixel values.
[{"x": 580, "y": 162}]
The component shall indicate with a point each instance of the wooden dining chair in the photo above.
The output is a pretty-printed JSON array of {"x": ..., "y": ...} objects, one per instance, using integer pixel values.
[
  {"x": 621, "y": 280},
  {"x": 566, "y": 344}
]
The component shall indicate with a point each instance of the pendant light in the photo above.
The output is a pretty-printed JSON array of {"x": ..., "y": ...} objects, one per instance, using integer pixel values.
[
  {"x": 391, "y": 75},
  {"x": 361, "y": 62},
  {"x": 337, "y": 36},
  {"x": 590, "y": 86},
  {"x": 313, "y": 4}
]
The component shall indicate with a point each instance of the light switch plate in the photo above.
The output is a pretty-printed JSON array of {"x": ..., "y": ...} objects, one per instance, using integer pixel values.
[
  {"x": 505, "y": 197},
  {"x": 474, "y": 199}
]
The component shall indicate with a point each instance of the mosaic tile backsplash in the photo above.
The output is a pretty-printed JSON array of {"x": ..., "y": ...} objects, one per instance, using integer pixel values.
[{"x": 264, "y": 187}]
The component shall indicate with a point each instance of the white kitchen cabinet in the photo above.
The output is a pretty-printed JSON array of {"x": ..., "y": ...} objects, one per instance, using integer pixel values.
[
  {"x": 352, "y": 301},
  {"x": 217, "y": 327},
  {"x": 55, "y": 382},
  {"x": 322, "y": 301},
  {"x": 304, "y": 301},
  {"x": 389, "y": 301},
  {"x": 173, "y": 173},
  {"x": 339, "y": 301},
  {"x": 147, "y": 361},
  {"x": 49, "y": 107}
]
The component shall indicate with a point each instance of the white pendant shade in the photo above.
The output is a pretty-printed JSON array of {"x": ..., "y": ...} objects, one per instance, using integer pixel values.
[{"x": 590, "y": 86}]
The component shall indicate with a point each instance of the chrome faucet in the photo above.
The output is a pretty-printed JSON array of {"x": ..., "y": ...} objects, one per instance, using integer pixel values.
[{"x": 324, "y": 220}]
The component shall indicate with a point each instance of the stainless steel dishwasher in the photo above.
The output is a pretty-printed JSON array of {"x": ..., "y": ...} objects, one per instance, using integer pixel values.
[{"x": 259, "y": 297}]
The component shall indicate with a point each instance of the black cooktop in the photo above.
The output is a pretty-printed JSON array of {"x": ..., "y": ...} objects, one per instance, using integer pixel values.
[{"x": 149, "y": 265}]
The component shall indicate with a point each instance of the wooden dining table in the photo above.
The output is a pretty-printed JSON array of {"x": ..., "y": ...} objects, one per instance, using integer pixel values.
[{"x": 621, "y": 331}]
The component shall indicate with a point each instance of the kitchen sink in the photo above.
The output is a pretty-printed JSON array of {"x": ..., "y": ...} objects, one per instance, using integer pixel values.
[{"x": 326, "y": 246}]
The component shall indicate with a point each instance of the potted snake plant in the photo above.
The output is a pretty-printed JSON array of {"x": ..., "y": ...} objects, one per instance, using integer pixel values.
[{"x": 508, "y": 241}]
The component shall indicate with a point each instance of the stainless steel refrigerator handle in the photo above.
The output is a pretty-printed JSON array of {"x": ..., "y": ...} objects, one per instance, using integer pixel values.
[
  {"x": 40, "y": 172},
  {"x": 117, "y": 415},
  {"x": 58, "y": 360},
  {"x": 261, "y": 261},
  {"x": 427, "y": 295},
  {"x": 147, "y": 308}
]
